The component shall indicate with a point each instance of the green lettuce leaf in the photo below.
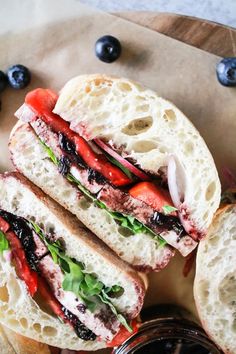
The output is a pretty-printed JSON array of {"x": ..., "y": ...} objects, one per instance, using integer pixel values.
[
  {"x": 126, "y": 221},
  {"x": 4, "y": 244},
  {"x": 118, "y": 164},
  {"x": 50, "y": 153},
  {"x": 107, "y": 300},
  {"x": 84, "y": 285},
  {"x": 168, "y": 209}
]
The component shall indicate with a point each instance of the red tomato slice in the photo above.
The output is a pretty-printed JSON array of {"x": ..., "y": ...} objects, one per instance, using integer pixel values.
[
  {"x": 152, "y": 195},
  {"x": 50, "y": 299},
  {"x": 23, "y": 270},
  {"x": 4, "y": 226},
  {"x": 99, "y": 162},
  {"x": 42, "y": 102},
  {"x": 123, "y": 335}
]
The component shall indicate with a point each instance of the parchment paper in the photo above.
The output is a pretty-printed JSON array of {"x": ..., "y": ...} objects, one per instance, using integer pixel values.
[{"x": 55, "y": 39}]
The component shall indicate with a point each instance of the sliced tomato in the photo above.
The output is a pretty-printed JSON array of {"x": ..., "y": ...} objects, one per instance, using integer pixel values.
[
  {"x": 42, "y": 102},
  {"x": 23, "y": 270},
  {"x": 152, "y": 195},
  {"x": 4, "y": 226},
  {"x": 123, "y": 335},
  {"x": 99, "y": 162},
  {"x": 50, "y": 299}
]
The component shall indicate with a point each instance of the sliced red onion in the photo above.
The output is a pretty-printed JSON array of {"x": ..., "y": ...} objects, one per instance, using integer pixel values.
[
  {"x": 7, "y": 255},
  {"x": 140, "y": 174},
  {"x": 172, "y": 182},
  {"x": 25, "y": 114},
  {"x": 179, "y": 190}
]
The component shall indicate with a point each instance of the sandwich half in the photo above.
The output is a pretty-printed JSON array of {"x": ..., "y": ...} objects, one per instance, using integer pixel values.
[
  {"x": 215, "y": 280},
  {"x": 126, "y": 162},
  {"x": 58, "y": 283}
]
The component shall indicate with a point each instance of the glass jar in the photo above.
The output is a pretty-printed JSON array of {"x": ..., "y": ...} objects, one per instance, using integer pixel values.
[{"x": 168, "y": 329}]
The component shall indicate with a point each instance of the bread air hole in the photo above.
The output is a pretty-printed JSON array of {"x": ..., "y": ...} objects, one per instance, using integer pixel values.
[
  {"x": 233, "y": 233},
  {"x": 188, "y": 147},
  {"x": 99, "y": 92},
  {"x": 84, "y": 203},
  {"x": 37, "y": 327},
  {"x": 204, "y": 290},
  {"x": 143, "y": 108},
  {"x": 67, "y": 193},
  {"x": 16, "y": 292},
  {"x": 213, "y": 241},
  {"x": 144, "y": 146},
  {"x": 124, "y": 87},
  {"x": 205, "y": 216},
  {"x": 214, "y": 261},
  {"x": 170, "y": 117},
  {"x": 10, "y": 312},
  {"x": 4, "y": 295},
  {"x": 49, "y": 331},
  {"x": 227, "y": 289},
  {"x": 24, "y": 322},
  {"x": 210, "y": 191},
  {"x": 49, "y": 227},
  {"x": 234, "y": 325},
  {"x": 138, "y": 126},
  {"x": 125, "y": 107},
  {"x": 13, "y": 323},
  {"x": 28, "y": 151}
]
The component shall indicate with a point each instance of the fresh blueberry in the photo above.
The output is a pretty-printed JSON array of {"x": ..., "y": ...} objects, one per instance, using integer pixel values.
[
  {"x": 226, "y": 71},
  {"x": 3, "y": 81},
  {"x": 18, "y": 76},
  {"x": 108, "y": 49}
]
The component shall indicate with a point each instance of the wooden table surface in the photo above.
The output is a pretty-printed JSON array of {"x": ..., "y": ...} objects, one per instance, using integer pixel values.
[{"x": 209, "y": 36}]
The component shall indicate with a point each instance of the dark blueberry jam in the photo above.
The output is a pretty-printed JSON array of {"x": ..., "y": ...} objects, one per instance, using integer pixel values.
[
  {"x": 81, "y": 330},
  {"x": 81, "y": 308},
  {"x": 168, "y": 222},
  {"x": 22, "y": 230},
  {"x": 66, "y": 144},
  {"x": 172, "y": 346},
  {"x": 69, "y": 147},
  {"x": 64, "y": 165},
  {"x": 168, "y": 329},
  {"x": 96, "y": 176},
  {"x": 72, "y": 157}
]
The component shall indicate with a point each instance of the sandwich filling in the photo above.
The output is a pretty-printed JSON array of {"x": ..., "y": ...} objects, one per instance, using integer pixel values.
[
  {"x": 74, "y": 295},
  {"x": 135, "y": 200}
]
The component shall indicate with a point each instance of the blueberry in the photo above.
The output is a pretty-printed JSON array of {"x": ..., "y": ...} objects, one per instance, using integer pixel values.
[
  {"x": 108, "y": 49},
  {"x": 18, "y": 76},
  {"x": 226, "y": 71},
  {"x": 3, "y": 81}
]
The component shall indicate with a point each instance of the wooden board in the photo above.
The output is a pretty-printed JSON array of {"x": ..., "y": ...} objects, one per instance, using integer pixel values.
[{"x": 209, "y": 36}]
